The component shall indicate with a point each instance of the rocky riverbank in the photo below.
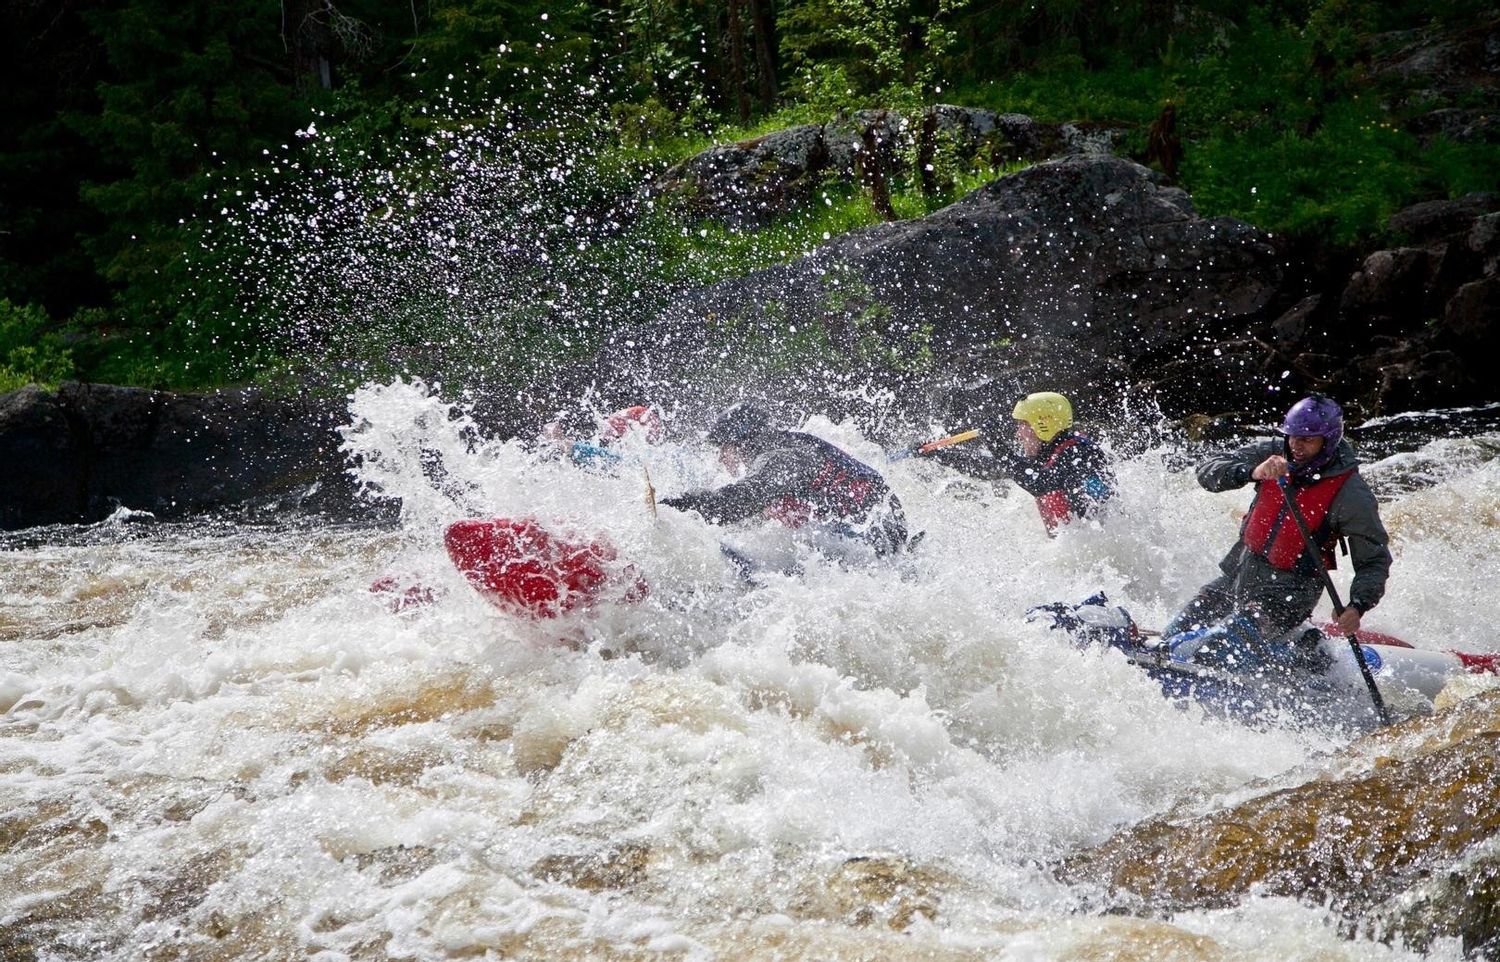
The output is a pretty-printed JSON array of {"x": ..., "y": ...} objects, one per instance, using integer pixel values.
[{"x": 81, "y": 452}]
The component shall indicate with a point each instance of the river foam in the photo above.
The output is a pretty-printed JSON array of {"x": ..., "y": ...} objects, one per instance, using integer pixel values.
[{"x": 220, "y": 744}]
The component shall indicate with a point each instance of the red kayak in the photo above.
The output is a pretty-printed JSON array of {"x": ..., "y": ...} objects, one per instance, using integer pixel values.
[{"x": 528, "y": 569}]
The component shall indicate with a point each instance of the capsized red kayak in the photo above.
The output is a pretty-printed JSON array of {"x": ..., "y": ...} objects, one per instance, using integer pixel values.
[{"x": 526, "y": 568}]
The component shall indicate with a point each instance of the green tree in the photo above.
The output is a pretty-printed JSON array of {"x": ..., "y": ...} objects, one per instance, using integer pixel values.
[
  {"x": 31, "y": 352},
  {"x": 890, "y": 53}
]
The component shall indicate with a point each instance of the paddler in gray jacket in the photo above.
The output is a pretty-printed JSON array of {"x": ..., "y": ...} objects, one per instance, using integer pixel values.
[
  {"x": 1270, "y": 581},
  {"x": 801, "y": 481}
]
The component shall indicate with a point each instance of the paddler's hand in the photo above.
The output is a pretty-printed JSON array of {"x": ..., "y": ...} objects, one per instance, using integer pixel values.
[
  {"x": 1348, "y": 620},
  {"x": 1270, "y": 469},
  {"x": 683, "y": 502}
]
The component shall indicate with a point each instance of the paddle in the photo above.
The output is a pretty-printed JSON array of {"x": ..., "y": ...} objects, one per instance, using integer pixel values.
[
  {"x": 1333, "y": 595},
  {"x": 650, "y": 491},
  {"x": 907, "y": 452}
]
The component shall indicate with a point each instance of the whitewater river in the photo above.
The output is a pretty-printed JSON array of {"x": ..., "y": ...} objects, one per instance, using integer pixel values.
[{"x": 217, "y": 743}]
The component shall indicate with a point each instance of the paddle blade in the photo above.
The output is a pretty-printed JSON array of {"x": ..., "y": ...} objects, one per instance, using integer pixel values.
[{"x": 930, "y": 446}]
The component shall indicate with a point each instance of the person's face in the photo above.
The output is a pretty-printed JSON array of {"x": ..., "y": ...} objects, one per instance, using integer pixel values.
[
  {"x": 1304, "y": 449},
  {"x": 1027, "y": 440},
  {"x": 732, "y": 458}
]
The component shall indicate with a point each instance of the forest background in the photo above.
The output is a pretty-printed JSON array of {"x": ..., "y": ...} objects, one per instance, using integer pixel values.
[{"x": 132, "y": 127}]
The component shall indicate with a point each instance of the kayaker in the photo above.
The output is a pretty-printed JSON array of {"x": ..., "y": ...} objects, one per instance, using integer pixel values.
[
  {"x": 1270, "y": 584},
  {"x": 1065, "y": 471},
  {"x": 798, "y": 479},
  {"x": 639, "y": 420}
]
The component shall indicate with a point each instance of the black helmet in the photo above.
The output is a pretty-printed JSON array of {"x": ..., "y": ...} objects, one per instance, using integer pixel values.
[{"x": 739, "y": 423}]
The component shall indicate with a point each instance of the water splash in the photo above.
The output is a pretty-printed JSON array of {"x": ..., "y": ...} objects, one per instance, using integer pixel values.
[{"x": 251, "y": 755}]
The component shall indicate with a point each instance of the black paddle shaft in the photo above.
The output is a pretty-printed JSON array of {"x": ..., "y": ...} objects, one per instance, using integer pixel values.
[{"x": 1333, "y": 595}]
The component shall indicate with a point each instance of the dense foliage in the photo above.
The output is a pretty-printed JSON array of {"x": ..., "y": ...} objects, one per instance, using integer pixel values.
[{"x": 168, "y": 171}]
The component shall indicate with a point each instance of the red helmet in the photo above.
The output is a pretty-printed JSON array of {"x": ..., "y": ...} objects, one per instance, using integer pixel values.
[{"x": 640, "y": 417}]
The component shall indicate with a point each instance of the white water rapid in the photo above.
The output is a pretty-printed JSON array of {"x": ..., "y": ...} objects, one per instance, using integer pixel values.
[{"x": 216, "y": 743}]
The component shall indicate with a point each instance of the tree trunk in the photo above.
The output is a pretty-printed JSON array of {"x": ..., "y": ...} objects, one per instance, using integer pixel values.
[
  {"x": 737, "y": 62},
  {"x": 1163, "y": 146},
  {"x": 298, "y": 36},
  {"x": 927, "y": 153},
  {"x": 763, "y": 17},
  {"x": 871, "y": 164}
]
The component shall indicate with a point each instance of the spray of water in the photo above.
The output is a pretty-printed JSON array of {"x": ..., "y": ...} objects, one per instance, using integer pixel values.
[{"x": 225, "y": 745}]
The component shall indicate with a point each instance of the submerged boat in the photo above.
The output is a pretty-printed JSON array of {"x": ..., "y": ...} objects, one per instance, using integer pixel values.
[{"x": 1323, "y": 683}]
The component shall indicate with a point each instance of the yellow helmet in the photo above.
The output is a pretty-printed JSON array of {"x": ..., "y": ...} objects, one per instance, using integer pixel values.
[{"x": 1046, "y": 412}]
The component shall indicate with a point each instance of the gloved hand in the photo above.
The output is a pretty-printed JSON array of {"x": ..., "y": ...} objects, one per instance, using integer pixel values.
[{"x": 683, "y": 502}]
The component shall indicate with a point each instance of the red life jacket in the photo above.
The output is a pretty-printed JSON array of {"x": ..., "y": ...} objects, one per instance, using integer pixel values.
[
  {"x": 790, "y": 511},
  {"x": 1271, "y": 532},
  {"x": 1054, "y": 506},
  {"x": 839, "y": 491}
]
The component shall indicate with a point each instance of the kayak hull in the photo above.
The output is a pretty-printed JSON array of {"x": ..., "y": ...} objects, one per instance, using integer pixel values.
[
  {"x": 1324, "y": 684},
  {"x": 538, "y": 571},
  {"x": 1336, "y": 692}
]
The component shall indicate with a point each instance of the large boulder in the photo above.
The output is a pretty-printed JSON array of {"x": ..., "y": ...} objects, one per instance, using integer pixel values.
[
  {"x": 753, "y": 181},
  {"x": 1085, "y": 274},
  {"x": 1438, "y": 219},
  {"x": 77, "y": 454},
  {"x": 1390, "y": 287}
]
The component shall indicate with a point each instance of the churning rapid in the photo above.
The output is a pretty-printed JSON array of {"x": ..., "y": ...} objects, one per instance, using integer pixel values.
[{"x": 217, "y": 743}]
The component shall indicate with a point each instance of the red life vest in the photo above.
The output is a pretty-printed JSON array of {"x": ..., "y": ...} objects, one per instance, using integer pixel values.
[
  {"x": 1054, "y": 506},
  {"x": 790, "y": 511},
  {"x": 841, "y": 490},
  {"x": 1271, "y": 532}
]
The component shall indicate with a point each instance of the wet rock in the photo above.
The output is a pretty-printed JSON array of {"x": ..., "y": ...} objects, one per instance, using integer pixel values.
[
  {"x": 1292, "y": 328},
  {"x": 753, "y": 181},
  {"x": 1389, "y": 286},
  {"x": 613, "y": 869},
  {"x": 756, "y": 181},
  {"x": 1462, "y": 901},
  {"x": 1021, "y": 138},
  {"x": 1415, "y": 325},
  {"x": 1076, "y": 272},
  {"x": 1232, "y": 373},
  {"x": 1441, "y": 218},
  {"x": 1484, "y": 242},
  {"x": 76, "y": 454},
  {"x": 1472, "y": 315},
  {"x": 45, "y": 482},
  {"x": 397, "y": 863},
  {"x": 1410, "y": 378},
  {"x": 1090, "y": 138},
  {"x": 1396, "y": 810},
  {"x": 884, "y": 891}
]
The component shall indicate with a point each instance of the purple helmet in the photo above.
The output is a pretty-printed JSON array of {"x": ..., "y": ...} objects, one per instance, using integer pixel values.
[{"x": 1315, "y": 417}]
